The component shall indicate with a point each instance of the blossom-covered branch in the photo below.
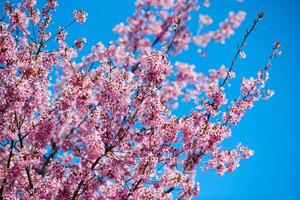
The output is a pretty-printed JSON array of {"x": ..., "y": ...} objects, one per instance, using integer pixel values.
[{"x": 104, "y": 127}]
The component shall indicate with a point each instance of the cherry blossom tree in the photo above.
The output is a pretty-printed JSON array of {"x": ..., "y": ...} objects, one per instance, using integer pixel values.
[{"x": 107, "y": 128}]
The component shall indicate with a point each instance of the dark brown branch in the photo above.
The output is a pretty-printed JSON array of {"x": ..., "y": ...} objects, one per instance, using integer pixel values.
[
  {"x": 27, "y": 169},
  {"x": 263, "y": 71},
  {"x": 7, "y": 167},
  {"x": 54, "y": 150},
  {"x": 243, "y": 43},
  {"x": 80, "y": 184}
]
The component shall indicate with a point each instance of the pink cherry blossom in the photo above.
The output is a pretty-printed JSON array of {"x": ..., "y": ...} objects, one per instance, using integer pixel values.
[
  {"x": 79, "y": 43},
  {"x": 103, "y": 125},
  {"x": 80, "y": 16},
  {"x": 205, "y": 19},
  {"x": 243, "y": 55},
  {"x": 226, "y": 29}
]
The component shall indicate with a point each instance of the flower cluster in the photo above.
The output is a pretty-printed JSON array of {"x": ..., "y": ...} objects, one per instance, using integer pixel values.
[
  {"x": 205, "y": 19},
  {"x": 79, "y": 43},
  {"x": 154, "y": 67},
  {"x": 228, "y": 160},
  {"x": 80, "y": 16},
  {"x": 226, "y": 29}
]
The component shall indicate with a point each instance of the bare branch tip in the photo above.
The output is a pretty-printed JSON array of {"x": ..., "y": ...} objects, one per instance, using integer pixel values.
[
  {"x": 260, "y": 15},
  {"x": 277, "y": 45}
]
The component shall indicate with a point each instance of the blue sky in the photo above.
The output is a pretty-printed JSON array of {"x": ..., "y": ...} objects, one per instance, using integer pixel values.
[{"x": 270, "y": 128}]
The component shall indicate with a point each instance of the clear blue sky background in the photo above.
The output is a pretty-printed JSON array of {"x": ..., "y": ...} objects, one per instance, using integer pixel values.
[{"x": 271, "y": 128}]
